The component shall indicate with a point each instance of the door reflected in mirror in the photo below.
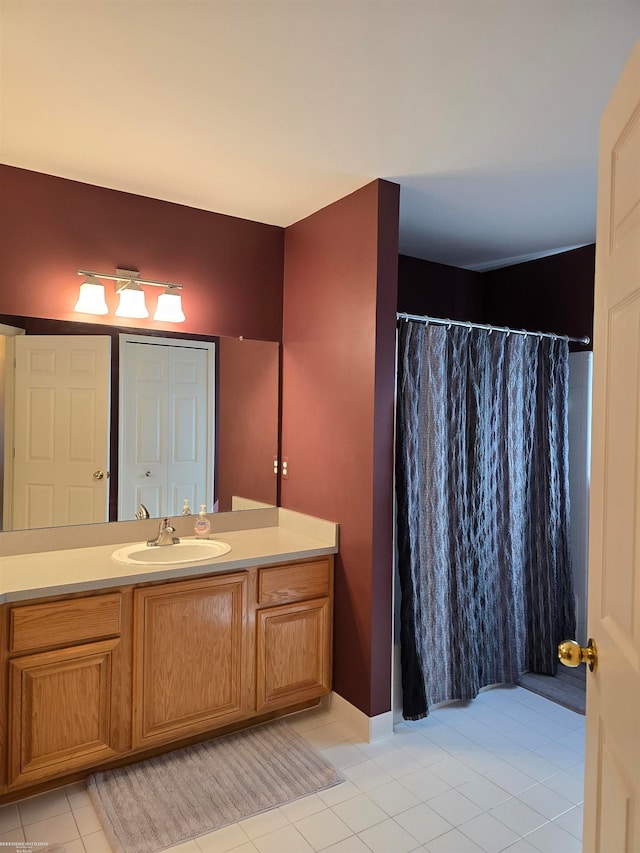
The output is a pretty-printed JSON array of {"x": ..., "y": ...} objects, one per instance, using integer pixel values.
[{"x": 166, "y": 426}]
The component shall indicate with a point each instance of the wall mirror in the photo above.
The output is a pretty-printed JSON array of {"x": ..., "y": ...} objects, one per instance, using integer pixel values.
[{"x": 141, "y": 417}]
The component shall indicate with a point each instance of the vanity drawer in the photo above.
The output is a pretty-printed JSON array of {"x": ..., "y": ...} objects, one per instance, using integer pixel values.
[
  {"x": 56, "y": 623},
  {"x": 294, "y": 583}
]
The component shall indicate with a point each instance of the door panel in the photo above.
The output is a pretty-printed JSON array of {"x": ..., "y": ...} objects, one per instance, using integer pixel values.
[
  {"x": 166, "y": 427},
  {"x": 143, "y": 442},
  {"x": 190, "y": 657},
  {"x": 60, "y": 715},
  {"x": 612, "y": 771},
  {"x": 189, "y": 401},
  {"x": 294, "y": 652},
  {"x": 61, "y": 430}
]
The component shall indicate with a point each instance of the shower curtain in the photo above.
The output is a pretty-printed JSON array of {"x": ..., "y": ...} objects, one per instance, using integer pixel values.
[{"x": 483, "y": 509}]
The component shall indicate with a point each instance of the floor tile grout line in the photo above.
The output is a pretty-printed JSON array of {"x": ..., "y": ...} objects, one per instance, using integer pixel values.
[{"x": 76, "y": 821}]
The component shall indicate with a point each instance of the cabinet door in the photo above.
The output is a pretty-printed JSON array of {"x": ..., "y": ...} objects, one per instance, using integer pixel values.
[
  {"x": 60, "y": 711},
  {"x": 189, "y": 657},
  {"x": 294, "y": 653}
]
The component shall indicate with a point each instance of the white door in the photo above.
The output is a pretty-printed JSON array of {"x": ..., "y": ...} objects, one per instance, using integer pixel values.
[
  {"x": 61, "y": 430},
  {"x": 188, "y": 403},
  {"x": 612, "y": 771},
  {"x": 143, "y": 429},
  {"x": 166, "y": 426}
]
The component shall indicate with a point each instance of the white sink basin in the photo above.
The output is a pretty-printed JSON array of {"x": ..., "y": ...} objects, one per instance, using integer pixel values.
[{"x": 186, "y": 551}]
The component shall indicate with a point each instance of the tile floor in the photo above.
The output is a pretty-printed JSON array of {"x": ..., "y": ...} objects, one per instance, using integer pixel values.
[{"x": 504, "y": 772}]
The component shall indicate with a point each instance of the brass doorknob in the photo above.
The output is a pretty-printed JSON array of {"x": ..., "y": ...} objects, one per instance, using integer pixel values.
[
  {"x": 571, "y": 653},
  {"x": 98, "y": 475}
]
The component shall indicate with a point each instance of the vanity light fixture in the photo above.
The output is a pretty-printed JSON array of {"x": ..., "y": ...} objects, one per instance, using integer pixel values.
[
  {"x": 132, "y": 297},
  {"x": 169, "y": 308},
  {"x": 91, "y": 299},
  {"x": 132, "y": 302}
]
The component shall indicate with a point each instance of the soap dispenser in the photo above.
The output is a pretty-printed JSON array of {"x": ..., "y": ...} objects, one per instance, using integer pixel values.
[
  {"x": 202, "y": 526},
  {"x": 186, "y": 509}
]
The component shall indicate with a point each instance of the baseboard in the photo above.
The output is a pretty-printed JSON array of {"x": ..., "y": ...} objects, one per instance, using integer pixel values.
[{"x": 366, "y": 728}]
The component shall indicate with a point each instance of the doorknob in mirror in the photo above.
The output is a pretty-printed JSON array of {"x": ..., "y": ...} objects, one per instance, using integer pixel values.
[{"x": 571, "y": 653}]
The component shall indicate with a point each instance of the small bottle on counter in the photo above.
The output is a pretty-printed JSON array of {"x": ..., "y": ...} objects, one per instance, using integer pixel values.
[
  {"x": 202, "y": 527},
  {"x": 186, "y": 509}
]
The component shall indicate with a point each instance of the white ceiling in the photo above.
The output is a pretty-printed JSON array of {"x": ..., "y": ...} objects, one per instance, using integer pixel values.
[{"x": 485, "y": 111}]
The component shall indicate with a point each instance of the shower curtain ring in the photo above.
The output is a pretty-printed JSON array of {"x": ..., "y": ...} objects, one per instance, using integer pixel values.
[{"x": 448, "y": 327}]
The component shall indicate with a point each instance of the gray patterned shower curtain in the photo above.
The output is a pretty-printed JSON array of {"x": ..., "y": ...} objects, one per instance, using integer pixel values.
[{"x": 483, "y": 509}]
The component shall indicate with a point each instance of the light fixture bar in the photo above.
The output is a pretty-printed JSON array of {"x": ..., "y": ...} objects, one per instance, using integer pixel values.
[{"x": 130, "y": 275}]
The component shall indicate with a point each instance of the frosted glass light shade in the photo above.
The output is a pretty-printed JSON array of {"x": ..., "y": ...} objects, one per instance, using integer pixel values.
[
  {"x": 91, "y": 298},
  {"x": 169, "y": 307},
  {"x": 132, "y": 302}
]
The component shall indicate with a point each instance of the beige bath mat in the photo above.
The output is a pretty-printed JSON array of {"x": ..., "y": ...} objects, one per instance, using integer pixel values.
[{"x": 154, "y": 804}]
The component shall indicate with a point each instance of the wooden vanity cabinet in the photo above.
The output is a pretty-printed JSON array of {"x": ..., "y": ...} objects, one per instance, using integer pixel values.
[
  {"x": 294, "y": 634},
  {"x": 190, "y": 657},
  {"x": 89, "y": 679},
  {"x": 68, "y": 686}
]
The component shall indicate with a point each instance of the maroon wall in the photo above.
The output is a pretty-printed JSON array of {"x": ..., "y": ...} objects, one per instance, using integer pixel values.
[
  {"x": 248, "y": 389},
  {"x": 340, "y": 291},
  {"x": 231, "y": 268},
  {"x": 339, "y": 331},
  {"x": 438, "y": 290},
  {"x": 552, "y": 294}
]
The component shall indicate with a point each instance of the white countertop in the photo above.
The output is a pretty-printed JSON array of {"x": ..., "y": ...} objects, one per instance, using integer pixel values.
[{"x": 34, "y": 575}]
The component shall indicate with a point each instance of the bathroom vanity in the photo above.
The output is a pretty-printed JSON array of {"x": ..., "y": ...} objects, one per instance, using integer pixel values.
[{"x": 110, "y": 663}]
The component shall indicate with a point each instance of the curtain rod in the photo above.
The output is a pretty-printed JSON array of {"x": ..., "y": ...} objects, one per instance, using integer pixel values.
[{"x": 423, "y": 318}]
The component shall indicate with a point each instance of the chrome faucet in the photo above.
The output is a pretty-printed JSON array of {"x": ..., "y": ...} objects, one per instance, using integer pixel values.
[
  {"x": 142, "y": 512},
  {"x": 165, "y": 535}
]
